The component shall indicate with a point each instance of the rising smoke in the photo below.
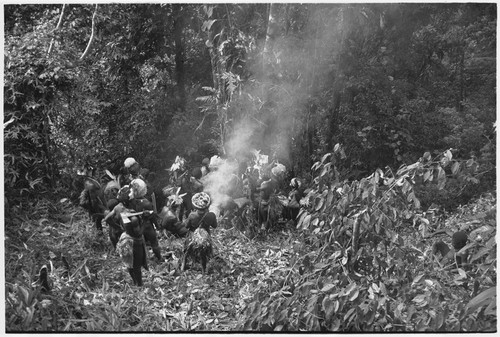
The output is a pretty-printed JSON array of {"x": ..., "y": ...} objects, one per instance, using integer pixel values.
[
  {"x": 218, "y": 182},
  {"x": 268, "y": 113}
]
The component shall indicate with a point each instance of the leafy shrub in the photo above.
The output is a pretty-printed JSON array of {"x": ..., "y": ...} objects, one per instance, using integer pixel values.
[{"x": 367, "y": 241}]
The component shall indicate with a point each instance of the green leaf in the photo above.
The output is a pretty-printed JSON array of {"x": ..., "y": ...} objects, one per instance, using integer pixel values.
[
  {"x": 347, "y": 291},
  {"x": 482, "y": 299},
  {"x": 207, "y": 25},
  {"x": 325, "y": 157},
  {"x": 491, "y": 309},
  {"x": 354, "y": 295},
  {"x": 417, "y": 279},
  {"x": 419, "y": 298},
  {"x": 307, "y": 220},
  {"x": 455, "y": 167},
  {"x": 462, "y": 273},
  {"x": 479, "y": 254},
  {"x": 347, "y": 316},
  {"x": 448, "y": 155},
  {"x": 328, "y": 307},
  {"x": 327, "y": 287},
  {"x": 319, "y": 203},
  {"x": 441, "y": 178}
]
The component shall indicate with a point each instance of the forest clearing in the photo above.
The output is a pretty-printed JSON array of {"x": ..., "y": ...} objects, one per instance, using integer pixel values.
[{"x": 230, "y": 167}]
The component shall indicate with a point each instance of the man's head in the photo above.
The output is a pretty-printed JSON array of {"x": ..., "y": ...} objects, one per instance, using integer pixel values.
[
  {"x": 138, "y": 188},
  {"x": 123, "y": 193},
  {"x": 132, "y": 166}
]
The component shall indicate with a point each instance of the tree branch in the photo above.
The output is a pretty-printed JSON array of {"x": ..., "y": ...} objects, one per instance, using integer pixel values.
[
  {"x": 57, "y": 28},
  {"x": 89, "y": 45}
]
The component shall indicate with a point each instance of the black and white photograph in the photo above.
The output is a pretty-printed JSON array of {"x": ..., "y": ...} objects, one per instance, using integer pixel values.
[{"x": 239, "y": 167}]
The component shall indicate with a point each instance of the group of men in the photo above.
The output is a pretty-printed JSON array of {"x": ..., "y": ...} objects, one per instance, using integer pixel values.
[{"x": 128, "y": 205}]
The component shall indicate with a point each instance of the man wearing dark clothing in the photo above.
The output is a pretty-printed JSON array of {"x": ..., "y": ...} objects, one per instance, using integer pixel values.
[
  {"x": 202, "y": 219},
  {"x": 198, "y": 244},
  {"x": 292, "y": 208},
  {"x": 139, "y": 203},
  {"x": 92, "y": 199},
  {"x": 266, "y": 189}
]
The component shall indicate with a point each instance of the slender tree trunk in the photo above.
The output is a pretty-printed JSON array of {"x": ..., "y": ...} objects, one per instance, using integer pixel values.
[
  {"x": 92, "y": 34},
  {"x": 334, "y": 119},
  {"x": 179, "y": 56},
  {"x": 47, "y": 149},
  {"x": 58, "y": 27},
  {"x": 310, "y": 144},
  {"x": 214, "y": 37},
  {"x": 287, "y": 18},
  {"x": 218, "y": 68},
  {"x": 271, "y": 33},
  {"x": 462, "y": 81},
  {"x": 315, "y": 62}
]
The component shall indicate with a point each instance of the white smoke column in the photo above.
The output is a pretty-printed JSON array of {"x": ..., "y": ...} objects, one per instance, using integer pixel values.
[
  {"x": 216, "y": 182},
  {"x": 222, "y": 171},
  {"x": 241, "y": 140}
]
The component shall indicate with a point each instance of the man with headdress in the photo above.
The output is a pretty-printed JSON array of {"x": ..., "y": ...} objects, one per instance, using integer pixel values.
[
  {"x": 198, "y": 245},
  {"x": 133, "y": 170},
  {"x": 180, "y": 177},
  {"x": 131, "y": 246}
]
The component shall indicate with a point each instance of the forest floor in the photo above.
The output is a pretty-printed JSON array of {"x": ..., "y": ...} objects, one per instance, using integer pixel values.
[
  {"x": 96, "y": 292},
  {"x": 93, "y": 291}
]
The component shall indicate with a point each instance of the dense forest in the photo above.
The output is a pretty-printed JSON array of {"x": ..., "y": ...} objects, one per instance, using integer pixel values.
[{"x": 386, "y": 112}]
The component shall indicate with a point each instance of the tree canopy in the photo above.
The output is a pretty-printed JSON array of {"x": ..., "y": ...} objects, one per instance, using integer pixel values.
[{"x": 391, "y": 81}]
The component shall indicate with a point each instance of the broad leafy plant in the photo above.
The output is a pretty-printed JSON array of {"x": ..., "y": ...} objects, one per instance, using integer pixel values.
[{"x": 366, "y": 241}]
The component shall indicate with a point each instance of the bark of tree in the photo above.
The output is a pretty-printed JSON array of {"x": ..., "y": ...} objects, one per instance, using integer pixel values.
[{"x": 179, "y": 56}]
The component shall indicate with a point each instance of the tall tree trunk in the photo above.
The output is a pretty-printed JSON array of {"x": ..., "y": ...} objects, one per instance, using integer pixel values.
[
  {"x": 218, "y": 67},
  {"x": 462, "y": 81},
  {"x": 334, "y": 119},
  {"x": 214, "y": 38},
  {"x": 271, "y": 33},
  {"x": 92, "y": 35},
  {"x": 58, "y": 27},
  {"x": 315, "y": 60},
  {"x": 179, "y": 56}
]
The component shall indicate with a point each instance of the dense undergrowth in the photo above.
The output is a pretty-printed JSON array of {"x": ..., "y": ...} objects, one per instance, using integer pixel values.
[
  {"x": 96, "y": 294},
  {"x": 359, "y": 259}
]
